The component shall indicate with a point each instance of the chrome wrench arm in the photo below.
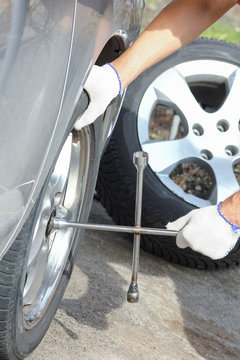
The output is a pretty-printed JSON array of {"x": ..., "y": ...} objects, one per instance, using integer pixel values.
[{"x": 59, "y": 224}]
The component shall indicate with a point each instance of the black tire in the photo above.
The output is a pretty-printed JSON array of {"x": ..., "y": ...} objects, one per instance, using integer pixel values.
[
  {"x": 117, "y": 175},
  {"x": 23, "y": 325}
]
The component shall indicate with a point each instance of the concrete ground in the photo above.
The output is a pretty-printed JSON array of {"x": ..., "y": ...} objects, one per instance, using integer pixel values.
[{"x": 182, "y": 314}]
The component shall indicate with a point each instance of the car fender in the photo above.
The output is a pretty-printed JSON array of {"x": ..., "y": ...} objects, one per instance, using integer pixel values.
[{"x": 54, "y": 45}]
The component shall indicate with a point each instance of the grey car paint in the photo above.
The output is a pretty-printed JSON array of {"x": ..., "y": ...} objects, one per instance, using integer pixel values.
[{"x": 47, "y": 49}]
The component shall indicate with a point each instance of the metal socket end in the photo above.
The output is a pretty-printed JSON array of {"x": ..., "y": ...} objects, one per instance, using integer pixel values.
[
  {"x": 133, "y": 293},
  {"x": 140, "y": 159}
]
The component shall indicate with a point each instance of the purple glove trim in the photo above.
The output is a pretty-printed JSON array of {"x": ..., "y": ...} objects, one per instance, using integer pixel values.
[
  {"x": 119, "y": 80},
  {"x": 234, "y": 227}
]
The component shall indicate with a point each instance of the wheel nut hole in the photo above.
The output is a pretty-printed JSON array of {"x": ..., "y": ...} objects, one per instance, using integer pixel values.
[
  {"x": 222, "y": 125},
  {"x": 198, "y": 130},
  {"x": 231, "y": 150},
  {"x": 206, "y": 154}
]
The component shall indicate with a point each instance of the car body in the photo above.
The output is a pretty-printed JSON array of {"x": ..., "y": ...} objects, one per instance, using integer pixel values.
[
  {"x": 47, "y": 168},
  {"x": 47, "y": 50}
]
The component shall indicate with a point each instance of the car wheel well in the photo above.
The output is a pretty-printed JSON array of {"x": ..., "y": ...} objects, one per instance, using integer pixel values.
[{"x": 112, "y": 50}]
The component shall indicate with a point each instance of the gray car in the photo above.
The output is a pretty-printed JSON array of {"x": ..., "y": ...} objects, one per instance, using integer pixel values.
[{"x": 47, "y": 50}]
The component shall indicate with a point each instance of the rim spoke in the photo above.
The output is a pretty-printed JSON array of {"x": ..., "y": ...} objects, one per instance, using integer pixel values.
[
  {"x": 179, "y": 95},
  {"x": 231, "y": 104},
  {"x": 226, "y": 182},
  {"x": 59, "y": 176},
  {"x": 144, "y": 114},
  {"x": 165, "y": 155},
  {"x": 36, "y": 271}
]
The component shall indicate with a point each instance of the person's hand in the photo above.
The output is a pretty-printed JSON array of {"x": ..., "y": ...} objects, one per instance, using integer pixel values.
[
  {"x": 102, "y": 86},
  {"x": 206, "y": 231}
]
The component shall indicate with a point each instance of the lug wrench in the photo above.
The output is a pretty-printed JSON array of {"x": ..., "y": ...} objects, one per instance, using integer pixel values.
[{"x": 140, "y": 160}]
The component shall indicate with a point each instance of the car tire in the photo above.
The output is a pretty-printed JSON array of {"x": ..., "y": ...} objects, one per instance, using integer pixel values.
[
  {"x": 36, "y": 269},
  {"x": 163, "y": 203}
]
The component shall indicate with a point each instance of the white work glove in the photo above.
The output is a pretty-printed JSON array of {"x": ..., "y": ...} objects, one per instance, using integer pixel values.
[
  {"x": 205, "y": 231},
  {"x": 103, "y": 85}
]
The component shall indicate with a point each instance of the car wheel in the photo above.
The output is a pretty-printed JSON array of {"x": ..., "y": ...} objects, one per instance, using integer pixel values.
[
  {"x": 36, "y": 269},
  {"x": 184, "y": 112}
]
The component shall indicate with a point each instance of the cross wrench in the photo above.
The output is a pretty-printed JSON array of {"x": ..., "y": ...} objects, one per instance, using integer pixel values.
[{"x": 140, "y": 160}]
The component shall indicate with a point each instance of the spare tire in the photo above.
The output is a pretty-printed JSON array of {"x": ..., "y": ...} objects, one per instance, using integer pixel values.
[{"x": 193, "y": 90}]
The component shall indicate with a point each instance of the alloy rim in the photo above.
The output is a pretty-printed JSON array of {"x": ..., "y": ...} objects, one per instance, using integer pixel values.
[
  {"x": 210, "y": 135},
  {"x": 50, "y": 250}
]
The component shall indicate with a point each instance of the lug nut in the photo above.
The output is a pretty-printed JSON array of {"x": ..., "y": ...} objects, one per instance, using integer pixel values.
[{"x": 57, "y": 199}]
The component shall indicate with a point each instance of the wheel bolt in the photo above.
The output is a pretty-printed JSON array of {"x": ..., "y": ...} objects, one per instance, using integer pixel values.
[
  {"x": 222, "y": 125},
  {"x": 206, "y": 155},
  {"x": 61, "y": 211},
  {"x": 231, "y": 150},
  {"x": 57, "y": 199},
  {"x": 198, "y": 130}
]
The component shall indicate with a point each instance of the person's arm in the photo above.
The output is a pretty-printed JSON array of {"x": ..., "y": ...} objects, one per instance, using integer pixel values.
[
  {"x": 175, "y": 26},
  {"x": 212, "y": 230}
]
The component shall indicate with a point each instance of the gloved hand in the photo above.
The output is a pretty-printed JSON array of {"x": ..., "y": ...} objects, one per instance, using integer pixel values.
[
  {"x": 102, "y": 86},
  {"x": 206, "y": 231}
]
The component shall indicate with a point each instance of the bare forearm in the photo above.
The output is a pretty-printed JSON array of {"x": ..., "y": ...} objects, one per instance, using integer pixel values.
[
  {"x": 231, "y": 208},
  {"x": 176, "y": 25}
]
